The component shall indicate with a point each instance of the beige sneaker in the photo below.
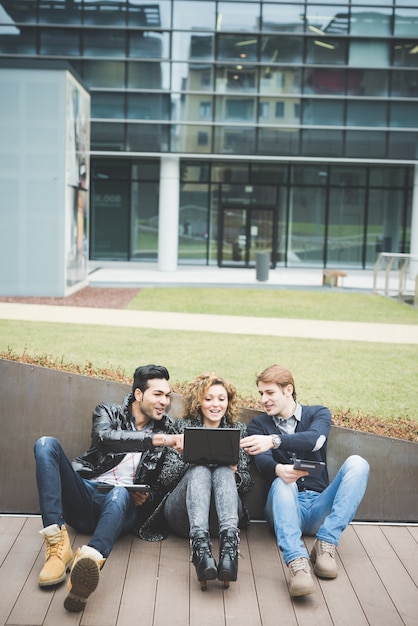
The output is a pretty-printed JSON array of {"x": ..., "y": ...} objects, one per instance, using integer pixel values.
[
  {"x": 323, "y": 559},
  {"x": 58, "y": 557},
  {"x": 300, "y": 583},
  {"x": 84, "y": 578}
]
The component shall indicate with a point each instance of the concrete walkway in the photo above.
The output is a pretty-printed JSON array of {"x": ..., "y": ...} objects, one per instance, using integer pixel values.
[{"x": 130, "y": 275}]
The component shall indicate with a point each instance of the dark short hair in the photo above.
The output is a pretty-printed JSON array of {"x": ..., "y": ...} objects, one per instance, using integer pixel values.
[{"x": 144, "y": 373}]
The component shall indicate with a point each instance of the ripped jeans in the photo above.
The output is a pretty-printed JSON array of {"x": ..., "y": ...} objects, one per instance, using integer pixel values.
[
  {"x": 206, "y": 498},
  {"x": 66, "y": 497}
]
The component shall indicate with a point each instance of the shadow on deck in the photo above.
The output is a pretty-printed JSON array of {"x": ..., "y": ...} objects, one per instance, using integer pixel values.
[{"x": 154, "y": 584}]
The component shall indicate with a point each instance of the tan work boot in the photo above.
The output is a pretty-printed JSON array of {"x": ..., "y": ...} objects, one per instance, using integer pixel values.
[
  {"x": 323, "y": 559},
  {"x": 84, "y": 578},
  {"x": 58, "y": 557},
  {"x": 301, "y": 583}
]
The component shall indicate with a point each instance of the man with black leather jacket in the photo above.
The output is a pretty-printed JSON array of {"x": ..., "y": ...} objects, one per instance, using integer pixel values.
[{"x": 91, "y": 493}]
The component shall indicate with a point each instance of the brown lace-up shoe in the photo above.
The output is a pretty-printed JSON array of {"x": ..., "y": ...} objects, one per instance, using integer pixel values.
[
  {"x": 58, "y": 557},
  {"x": 300, "y": 583},
  {"x": 84, "y": 578},
  {"x": 323, "y": 559}
]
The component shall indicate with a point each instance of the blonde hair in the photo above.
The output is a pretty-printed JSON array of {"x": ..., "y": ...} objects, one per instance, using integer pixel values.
[
  {"x": 196, "y": 390},
  {"x": 279, "y": 375}
]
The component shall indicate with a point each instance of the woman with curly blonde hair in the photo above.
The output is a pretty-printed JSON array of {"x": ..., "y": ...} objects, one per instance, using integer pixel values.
[{"x": 206, "y": 499}]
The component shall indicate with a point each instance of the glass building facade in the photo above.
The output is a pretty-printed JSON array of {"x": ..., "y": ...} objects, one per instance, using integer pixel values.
[{"x": 293, "y": 126}]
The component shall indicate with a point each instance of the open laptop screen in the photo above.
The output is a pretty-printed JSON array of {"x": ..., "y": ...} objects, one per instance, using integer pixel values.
[{"x": 211, "y": 446}]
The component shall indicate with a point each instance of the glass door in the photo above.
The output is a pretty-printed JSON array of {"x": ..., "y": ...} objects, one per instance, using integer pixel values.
[{"x": 243, "y": 233}]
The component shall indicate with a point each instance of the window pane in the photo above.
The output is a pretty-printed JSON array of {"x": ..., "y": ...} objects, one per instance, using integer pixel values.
[
  {"x": 376, "y": 53},
  {"x": 278, "y": 142},
  {"x": 232, "y": 140},
  {"x": 346, "y": 226},
  {"x": 110, "y": 219},
  {"x": 366, "y": 22},
  {"x": 104, "y": 74},
  {"x": 108, "y": 105},
  {"x": 404, "y": 114},
  {"x": 192, "y": 46},
  {"x": 284, "y": 49},
  {"x": 283, "y": 17},
  {"x": 385, "y": 208},
  {"x": 186, "y": 16},
  {"x": 103, "y": 13},
  {"x": 59, "y": 41},
  {"x": 365, "y": 144},
  {"x": 326, "y": 50},
  {"x": 18, "y": 41},
  {"x": 98, "y": 42},
  {"x": 323, "y": 112},
  {"x": 144, "y": 220},
  {"x": 148, "y": 75},
  {"x": 193, "y": 238},
  {"x": 405, "y": 53},
  {"x": 149, "y": 45},
  {"x": 193, "y": 108},
  {"x": 403, "y": 145},
  {"x": 245, "y": 16},
  {"x": 322, "y": 143},
  {"x": 235, "y": 47},
  {"x": 191, "y": 138},
  {"x": 325, "y": 81},
  {"x": 277, "y": 80},
  {"x": 107, "y": 136},
  {"x": 144, "y": 14},
  {"x": 236, "y": 78},
  {"x": 367, "y": 82},
  {"x": 274, "y": 111},
  {"x": 346, "y": 176},
  {"x": 406, "y": 22},
  {"x": 235, "y": 109},
  {"x": 307, "y": 225},
  {"x": 361, "y": 113},
  {"x": 323, "y": 20},
  {"x": 54, "y": 12},
  {"x": 191, "y": 77},
  {"x": 405, "y": 84},
  {"x": 25, "y": 12},
  {"x": 147, "y": 138},
  {"x": 148, "y": 106}
]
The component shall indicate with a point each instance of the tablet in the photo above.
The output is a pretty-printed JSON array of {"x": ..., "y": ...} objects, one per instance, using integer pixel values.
[
  {"x": 313, "y": 467},
  {"x": 211, "y": 446},
  {"x": 106, "y": 487}
]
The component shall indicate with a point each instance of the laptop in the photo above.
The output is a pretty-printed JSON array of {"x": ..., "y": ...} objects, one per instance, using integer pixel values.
[{"x": 211, "y": 446}]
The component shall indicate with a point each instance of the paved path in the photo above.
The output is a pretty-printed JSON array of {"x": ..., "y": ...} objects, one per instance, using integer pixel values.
[{"x": 277, "y": 327}]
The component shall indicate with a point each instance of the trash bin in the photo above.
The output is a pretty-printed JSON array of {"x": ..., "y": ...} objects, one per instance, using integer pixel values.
[{"x": 262, "y": 263}]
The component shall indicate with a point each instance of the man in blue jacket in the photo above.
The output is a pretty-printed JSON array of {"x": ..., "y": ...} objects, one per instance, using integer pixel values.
[{"x": 300, "y": 502}]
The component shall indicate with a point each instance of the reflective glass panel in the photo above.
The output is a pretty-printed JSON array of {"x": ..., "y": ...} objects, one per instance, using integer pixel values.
[
  {"x": 145, "y": 14},
  {"x": 147, "y": 137},
  {"x": 103, "y": 169},
  {"x": 279, "y": 111},
  {"x": 273, "y": 174},
  {"x": 237, "y": 47},
  {"x": 148, "y": 45},
  {"x": 60, "y": 41},
  {"x": 405, "y": 53},
  {"x": 143, "y": 106},
  {"x": 104, "y": 13},
  {"x": 191, "y": 77},
  {"x": 108, "y": 106},
  {"x": 235, "y": 109},
  {"x": 322, "y": 143},
  {"x": 320, "y": 80},
  {"x": 283, "y": 17},
  {"x": 309, "y": 174},
  {"x": 63, "y": 12},
  {"x": 148, "y": 75},
  {"x": 110, "y": 204},
  {"x": 99, "y": 42},
  {"x": 367, "y": 82},
  {"x": 404, "y": 84},
  {"x": 363, "y": 113},
  {"x": 241, "y": 78},
  {"x": 191, "y": 138},
  {"x": 403, "y": 145},
  {"x": 404, "y": 114},
  {"x": 196, "y": 46},
  {"x": 384, "y": 223},
  {"x": 323, "y": 20},
  {"x": 345, "y": 226},
  {"x": 365, "y": 21},
  {"x": 107, "y": 136},
  {"x": 146, "y": 170},
  {"x": 406, "y": 22},
  {"x": 365, "y": 144},
  {"x": 193, "y": 108},
  {"x": 233, "y": 140},
  {"x": 22, "y": 12},
  {"x": 104, "y": 74},
  {"x": 277, "y": 80},
  {"x": 193, "y": 219},
  {"x": 323, "y": 112},
  {"x": 387, "y": 176},
  {"x": 306, "y": 225},
  {"x": 326, "y": 50},
  {"x": 281, "y": 49},
  {"x": 187, "y": 16},
  {"x": 346, "y": 176},
  {"x": 17, "y": 41},
  {"x": 242, "y": 17},
  {"x": 272, "y": 141},
  {"x": 377, "y": 53},
  {"x": 144, "y": 220}
]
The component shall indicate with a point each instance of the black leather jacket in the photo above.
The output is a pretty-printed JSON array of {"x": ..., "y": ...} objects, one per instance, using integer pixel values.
[{"x": 113, "y": 435}]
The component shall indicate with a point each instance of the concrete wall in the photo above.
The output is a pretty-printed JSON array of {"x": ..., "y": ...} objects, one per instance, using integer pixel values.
[{"x": 36, "y": 401}]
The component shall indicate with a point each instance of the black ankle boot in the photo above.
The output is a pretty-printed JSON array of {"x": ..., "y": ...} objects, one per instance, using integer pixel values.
[
  {"x": 228, "y": 555},
  {"x": 202, "y": 557}
]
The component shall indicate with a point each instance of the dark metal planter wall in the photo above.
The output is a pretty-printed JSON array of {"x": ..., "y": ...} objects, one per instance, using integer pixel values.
[{"x": 36, "y": 401}]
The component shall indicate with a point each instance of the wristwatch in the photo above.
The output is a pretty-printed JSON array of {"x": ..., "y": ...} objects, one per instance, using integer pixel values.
[{"x": 276, "y": 441}]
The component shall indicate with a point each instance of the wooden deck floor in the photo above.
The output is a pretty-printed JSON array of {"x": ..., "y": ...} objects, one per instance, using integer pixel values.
[{"x": 154, "y": 584}]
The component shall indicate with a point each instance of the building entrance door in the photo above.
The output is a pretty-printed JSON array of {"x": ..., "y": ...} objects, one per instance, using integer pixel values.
[{"x": 243, "y": 232}]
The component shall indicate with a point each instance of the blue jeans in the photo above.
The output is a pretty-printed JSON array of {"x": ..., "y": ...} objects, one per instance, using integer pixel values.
[
  {"x": 206, "y": 498},
  {"x": 64, "y": 496},
  {"x": 325, "y": 515}
]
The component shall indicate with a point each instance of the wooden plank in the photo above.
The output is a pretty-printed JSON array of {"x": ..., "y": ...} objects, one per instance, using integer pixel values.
[
  {"x": 140, "y": 588},
  {"x": 405, "y": 546},
  {"x": 270, "y": 576},
  {"x": 339, "y": 595},
  {"x": 206, "y": 607},
  {"x": 172, "y": 599},
  {"x": 9, "y": 529},
  {"x": 400, "y": 589}
]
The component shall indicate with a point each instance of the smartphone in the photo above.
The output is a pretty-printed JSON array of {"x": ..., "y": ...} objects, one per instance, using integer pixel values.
[
  {"x": 103, "y": 487},
  {"x": 313, "y": 467}
]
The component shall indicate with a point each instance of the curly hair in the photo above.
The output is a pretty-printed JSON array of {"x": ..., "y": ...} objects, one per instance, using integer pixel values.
[{"x": 196, "y": 390}]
